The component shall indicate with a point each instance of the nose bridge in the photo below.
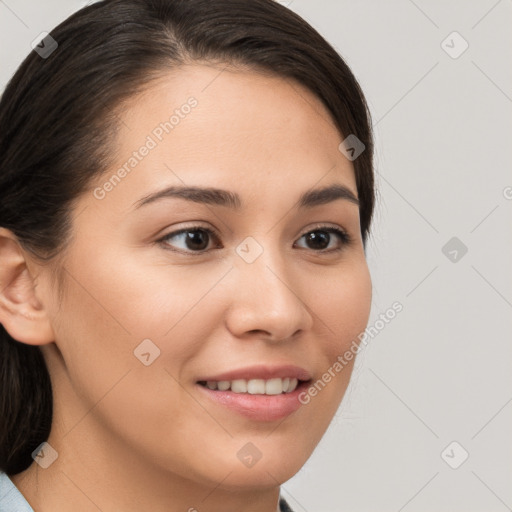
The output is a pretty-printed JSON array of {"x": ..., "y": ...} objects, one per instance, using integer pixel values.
[{"x": 266, "y": 298}]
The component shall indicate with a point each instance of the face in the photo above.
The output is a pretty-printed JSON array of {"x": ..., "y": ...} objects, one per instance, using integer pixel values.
[{"x": 253, "y": 284}]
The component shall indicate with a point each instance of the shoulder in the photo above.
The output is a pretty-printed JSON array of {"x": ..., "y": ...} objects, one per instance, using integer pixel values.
[{"x": 11, "y": 499}]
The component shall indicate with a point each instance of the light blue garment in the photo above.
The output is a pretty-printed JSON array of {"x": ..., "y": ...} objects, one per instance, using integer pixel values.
[{"x": 11, "y": 500}]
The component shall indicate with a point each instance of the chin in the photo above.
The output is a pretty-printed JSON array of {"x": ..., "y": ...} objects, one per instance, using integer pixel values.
[
  {"x": 262, "y": 475},
  {"x": 231, "y": 469}
]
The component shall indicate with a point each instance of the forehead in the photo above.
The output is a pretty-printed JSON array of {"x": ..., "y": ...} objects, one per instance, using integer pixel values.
[{"x": 239, "y": 129}]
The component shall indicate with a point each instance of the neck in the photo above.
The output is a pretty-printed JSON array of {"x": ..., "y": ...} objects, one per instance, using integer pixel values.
[{"x": 115, "y": 483}]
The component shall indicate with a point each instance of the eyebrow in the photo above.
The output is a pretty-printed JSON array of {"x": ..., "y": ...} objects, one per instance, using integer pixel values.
[{"x": 220, "y": 197}]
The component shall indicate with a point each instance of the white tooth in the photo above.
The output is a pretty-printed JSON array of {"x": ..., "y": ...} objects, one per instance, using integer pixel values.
[
  {"x": 223, "y": 385},
  {"x": 273, "y": 386},
  {"x": 256, "y": 386},
  {"x": 292, "y": 385},
  {"x": 239, "y": 386}
]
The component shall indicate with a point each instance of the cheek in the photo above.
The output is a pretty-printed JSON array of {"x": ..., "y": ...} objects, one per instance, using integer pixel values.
[
  {"x": 115, "y": 302},
  {"x": 149, "y": 296},
  {"x": 343, "y": 310},
  {"x": 344, "y": 307}
]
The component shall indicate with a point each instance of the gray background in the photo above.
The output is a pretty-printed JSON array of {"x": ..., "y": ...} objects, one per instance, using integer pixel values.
[{"x": 440, "y": 371}]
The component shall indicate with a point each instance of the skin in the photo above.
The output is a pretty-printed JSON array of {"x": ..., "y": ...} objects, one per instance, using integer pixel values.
[{"x": 132, "y": 437}]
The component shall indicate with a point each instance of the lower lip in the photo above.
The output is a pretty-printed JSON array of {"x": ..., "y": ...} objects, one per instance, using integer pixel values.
[{"x": 258, "y": 407}]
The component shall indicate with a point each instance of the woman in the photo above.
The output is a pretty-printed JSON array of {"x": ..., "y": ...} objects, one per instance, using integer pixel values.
[{"x": 186, "y": 190}]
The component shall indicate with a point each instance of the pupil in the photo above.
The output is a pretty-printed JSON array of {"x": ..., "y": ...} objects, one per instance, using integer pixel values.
[
  {"x": 318, "y": 239},
  {"x": 197, "y": 239}
]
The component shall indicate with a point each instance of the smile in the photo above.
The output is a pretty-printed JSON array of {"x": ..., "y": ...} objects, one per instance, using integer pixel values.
[
  {"x": 262, "y": 400},
  {"x": 274, "y": 386}
]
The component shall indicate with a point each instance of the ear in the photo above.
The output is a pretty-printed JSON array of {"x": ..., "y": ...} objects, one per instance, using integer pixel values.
[{"x": 21, "y": 312}]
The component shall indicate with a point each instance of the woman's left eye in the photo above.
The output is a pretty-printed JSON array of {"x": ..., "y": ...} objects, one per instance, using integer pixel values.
[
  {"x": 320, "y": 239},
  {"x": 197, "y": 239}
]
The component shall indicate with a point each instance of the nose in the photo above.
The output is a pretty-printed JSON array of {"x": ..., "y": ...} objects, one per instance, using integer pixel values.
[{"x": 266, "y": 302}]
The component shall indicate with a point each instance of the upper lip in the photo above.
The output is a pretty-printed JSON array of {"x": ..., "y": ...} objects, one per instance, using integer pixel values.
[{"x": 262, "y": 372}]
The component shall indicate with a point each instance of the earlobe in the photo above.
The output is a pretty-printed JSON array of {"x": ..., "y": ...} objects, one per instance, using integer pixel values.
[{"x": 21, "y": 312}]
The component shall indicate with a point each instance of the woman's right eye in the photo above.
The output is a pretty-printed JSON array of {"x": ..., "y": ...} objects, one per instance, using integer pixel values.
[{"x": 191, "y": 240}]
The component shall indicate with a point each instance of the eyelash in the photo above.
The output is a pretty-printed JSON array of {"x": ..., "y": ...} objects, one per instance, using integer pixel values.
[{"x": 344, "y": 237}]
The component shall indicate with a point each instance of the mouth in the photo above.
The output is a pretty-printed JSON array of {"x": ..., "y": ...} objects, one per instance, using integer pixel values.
[
  {"x": 262, "y": 400},
  {"x": 275, "y": 386}
]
